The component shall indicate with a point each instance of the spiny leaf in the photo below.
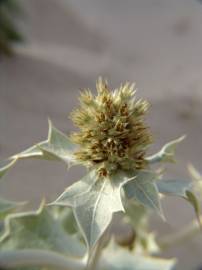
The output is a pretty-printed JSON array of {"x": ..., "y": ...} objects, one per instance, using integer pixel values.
[
  {"x": 94, "y": 200},
  {"x": 194, "y": 173},
  {"x": 175, "y": 187},
  {"x": 116, "y": 258},
  {"x": 167, "y": 153},
  {"x": 56, "y": 147},
  {"x": 32, "y": 152},
  {"x": 38, "y": 230},
  {"x": 6, "y": 165},
  {"x": 197, "y": 188},
  {"x": 143, "y": 190},
  {"x": 197, "y": 180},
  {"x": 66, "y": 217},
  {"x": 7, "y": 207},
  {"x": 182, "y": 189},
  {"x": 190, "y": 196}
]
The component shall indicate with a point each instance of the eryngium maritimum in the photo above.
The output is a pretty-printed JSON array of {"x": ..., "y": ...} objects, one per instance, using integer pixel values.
[{"x": 112, "y": 133}]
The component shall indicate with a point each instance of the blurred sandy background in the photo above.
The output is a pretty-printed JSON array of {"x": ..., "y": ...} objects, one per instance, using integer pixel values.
[{"x": 156, "y": 43}]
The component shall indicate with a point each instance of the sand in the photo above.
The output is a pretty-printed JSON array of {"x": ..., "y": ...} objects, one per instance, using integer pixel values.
[{"x": 156, "y": 43}]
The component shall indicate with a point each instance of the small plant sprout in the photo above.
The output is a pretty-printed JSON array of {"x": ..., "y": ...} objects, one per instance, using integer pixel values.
[{"x": 111, "y": 142}]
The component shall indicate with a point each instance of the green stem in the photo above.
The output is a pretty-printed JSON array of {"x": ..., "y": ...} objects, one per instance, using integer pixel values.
[
  {"x": 40, "y": 258},
  {"x": 184, "y": 235}
]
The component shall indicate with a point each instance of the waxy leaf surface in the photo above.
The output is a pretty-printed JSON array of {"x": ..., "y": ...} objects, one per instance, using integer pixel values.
[
  {"x": 57, "y": 147},
  {"x": 7, "y": 207},
  {"x": 5, "y": 165},
  {"x": 167, "y": 152},
  {"x": 174, "y": 187},
  {"x": 181, "y": 188},
  {"x": 94, "y": 200},
  {"x": 38, "y": 230},
  {"x": 143, "y": 190}
]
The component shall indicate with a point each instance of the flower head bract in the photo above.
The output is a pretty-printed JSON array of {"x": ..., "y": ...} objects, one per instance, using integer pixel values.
[{"x": 112, "y": 133}]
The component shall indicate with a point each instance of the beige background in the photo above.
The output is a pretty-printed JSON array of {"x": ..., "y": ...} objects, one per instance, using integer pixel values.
[{"x": 156, "y": 43}]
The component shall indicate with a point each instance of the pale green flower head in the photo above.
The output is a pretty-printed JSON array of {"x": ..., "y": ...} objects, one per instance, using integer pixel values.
[{"x": 112, "y": 133}]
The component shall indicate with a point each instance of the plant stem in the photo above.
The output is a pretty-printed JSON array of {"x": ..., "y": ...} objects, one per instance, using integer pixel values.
[
  {"x": 182, "y": 236},
  {"x": 40, "y": 258},
  {"x": 93, "y": 259}
]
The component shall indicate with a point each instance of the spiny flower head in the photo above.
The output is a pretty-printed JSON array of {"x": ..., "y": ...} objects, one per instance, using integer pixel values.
[{"x": 112, "y": 133}]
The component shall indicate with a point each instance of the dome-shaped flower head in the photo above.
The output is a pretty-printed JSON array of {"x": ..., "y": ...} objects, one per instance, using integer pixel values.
[{"x": 112, "y": 135}]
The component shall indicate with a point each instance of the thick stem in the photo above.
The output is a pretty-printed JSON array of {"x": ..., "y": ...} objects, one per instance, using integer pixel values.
[
  {"x": 40, "y": 258},
  {"x": 184, "y": 235}
]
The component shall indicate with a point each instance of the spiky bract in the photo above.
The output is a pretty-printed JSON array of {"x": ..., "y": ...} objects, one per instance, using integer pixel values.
[{"x": 112, "y": 133}]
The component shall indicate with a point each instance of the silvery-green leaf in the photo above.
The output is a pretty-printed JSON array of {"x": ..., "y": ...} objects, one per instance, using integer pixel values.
[
  {"x": 197, "y": 189},
  {"x": 116, "y": 258},
  {"x": 7, "y": 207},
  {"x": 32, "y": 152},
  {"x": 38, "y": 259},
  {"x": 57, "y": 147},
  {"x": 174, "y": 187},
  {"x": 143, "y": 189},
  {"x": 94, "y": 200},
  {"x": 167, "y": 153},
  {"x": 66, "y": 217},
  {"x": 197, "y": 180},
  {"x": 194, "y": 173},
  {"x": 193, "y": 200},
  {"x": 182, "y": 189},
  {"x": 38, "y": 230},
  {"x": 5, "y": 166}
]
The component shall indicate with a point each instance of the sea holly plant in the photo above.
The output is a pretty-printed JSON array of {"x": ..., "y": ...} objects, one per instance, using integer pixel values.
[{"x": 74, "y": 231}]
